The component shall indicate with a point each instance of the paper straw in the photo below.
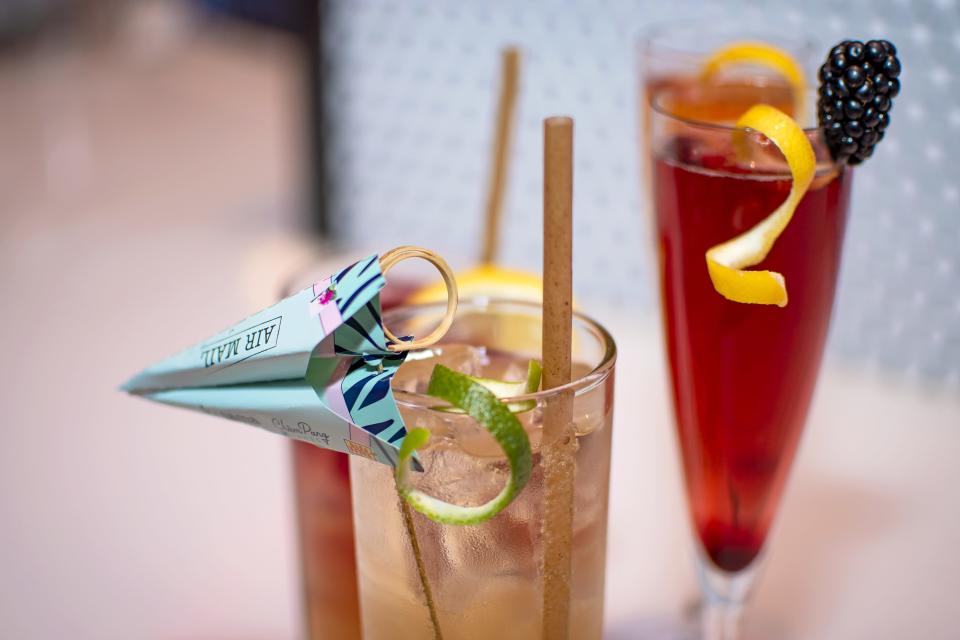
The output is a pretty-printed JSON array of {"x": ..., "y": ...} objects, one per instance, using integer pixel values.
[
  {"x": 559, "y": 439},
  {"x": 509, "y": 66}
]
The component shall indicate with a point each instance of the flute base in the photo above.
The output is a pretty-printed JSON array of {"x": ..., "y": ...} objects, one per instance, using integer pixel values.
[{"x": 724, "y": 596}]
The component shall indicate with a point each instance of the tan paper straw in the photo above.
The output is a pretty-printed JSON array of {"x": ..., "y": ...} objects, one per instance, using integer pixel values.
[
  {"x": 509, "y": 67},
  {"x": 559, "y": 439}
]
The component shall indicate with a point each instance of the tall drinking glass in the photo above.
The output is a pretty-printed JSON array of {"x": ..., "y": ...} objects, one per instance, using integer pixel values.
[
  {"x": 324, "y": 518},
  {"x": 742, "y": 374},
  {"x": 485, "y": 579}
]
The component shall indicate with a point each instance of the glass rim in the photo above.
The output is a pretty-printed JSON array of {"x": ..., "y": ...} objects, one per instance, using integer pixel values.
[
  {"x": 578, "y": 386},
  {"x": 656, "y": 106},
  {"x": 650, "y": 36}
]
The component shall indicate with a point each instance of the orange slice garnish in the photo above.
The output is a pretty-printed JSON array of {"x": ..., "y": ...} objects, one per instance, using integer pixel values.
[
  {"x": 487, "y": 281},
  {"x": 755, "y": 53},
  {"x": 759, "y": 54}
]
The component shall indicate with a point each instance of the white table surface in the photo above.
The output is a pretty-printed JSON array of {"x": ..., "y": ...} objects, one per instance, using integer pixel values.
[{"x": 122, "y": 519}]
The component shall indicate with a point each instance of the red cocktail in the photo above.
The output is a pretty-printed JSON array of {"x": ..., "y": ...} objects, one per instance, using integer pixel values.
[{"x": 743, "y": 374}]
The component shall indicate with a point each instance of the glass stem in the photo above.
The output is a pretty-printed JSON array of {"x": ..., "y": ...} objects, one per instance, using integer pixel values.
[
  {"x": 721, "y": 621},
  {"x": 725, "y": 595}
]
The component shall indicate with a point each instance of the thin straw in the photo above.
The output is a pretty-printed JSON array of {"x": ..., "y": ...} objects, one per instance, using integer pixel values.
[
  {"x": 509, "y": 66},
  {"x": 421, "y": 567},
  {"x": 559, "y": 440}
]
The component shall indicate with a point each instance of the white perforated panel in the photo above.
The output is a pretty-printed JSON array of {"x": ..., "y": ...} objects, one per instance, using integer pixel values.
[{"x": 413, "y": 102}]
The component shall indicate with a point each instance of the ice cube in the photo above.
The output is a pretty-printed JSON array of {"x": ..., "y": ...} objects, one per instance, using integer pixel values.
[
  {"x": 454, "y": 476},
  {"x": 507, "y": 367},
  {"x": 474, "y": 439},
  {"x": 414, "y": 375}
]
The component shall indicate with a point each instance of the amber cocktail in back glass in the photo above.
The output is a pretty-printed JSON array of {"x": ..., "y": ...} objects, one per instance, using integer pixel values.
[{"x": 672, "y": 56}]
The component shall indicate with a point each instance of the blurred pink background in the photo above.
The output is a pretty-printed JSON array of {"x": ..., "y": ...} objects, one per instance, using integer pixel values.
[{"x": 155, "y": 186}]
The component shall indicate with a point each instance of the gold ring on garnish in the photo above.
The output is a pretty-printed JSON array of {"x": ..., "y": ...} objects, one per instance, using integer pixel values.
[{"x": 392, "y": 257}]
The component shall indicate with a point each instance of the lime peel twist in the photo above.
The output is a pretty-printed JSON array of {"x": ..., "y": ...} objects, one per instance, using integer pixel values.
[
  {"x": 485, "y": 407},
  {"x": 508, "y": 389},
  {"x": 727, "y": 262}
]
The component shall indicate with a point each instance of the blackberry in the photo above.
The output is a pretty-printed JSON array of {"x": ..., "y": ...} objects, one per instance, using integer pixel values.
[{"x": 858, "y": 82}]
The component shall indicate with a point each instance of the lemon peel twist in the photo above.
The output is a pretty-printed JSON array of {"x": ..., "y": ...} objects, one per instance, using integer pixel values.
[{"x": 727, "y": 262}]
